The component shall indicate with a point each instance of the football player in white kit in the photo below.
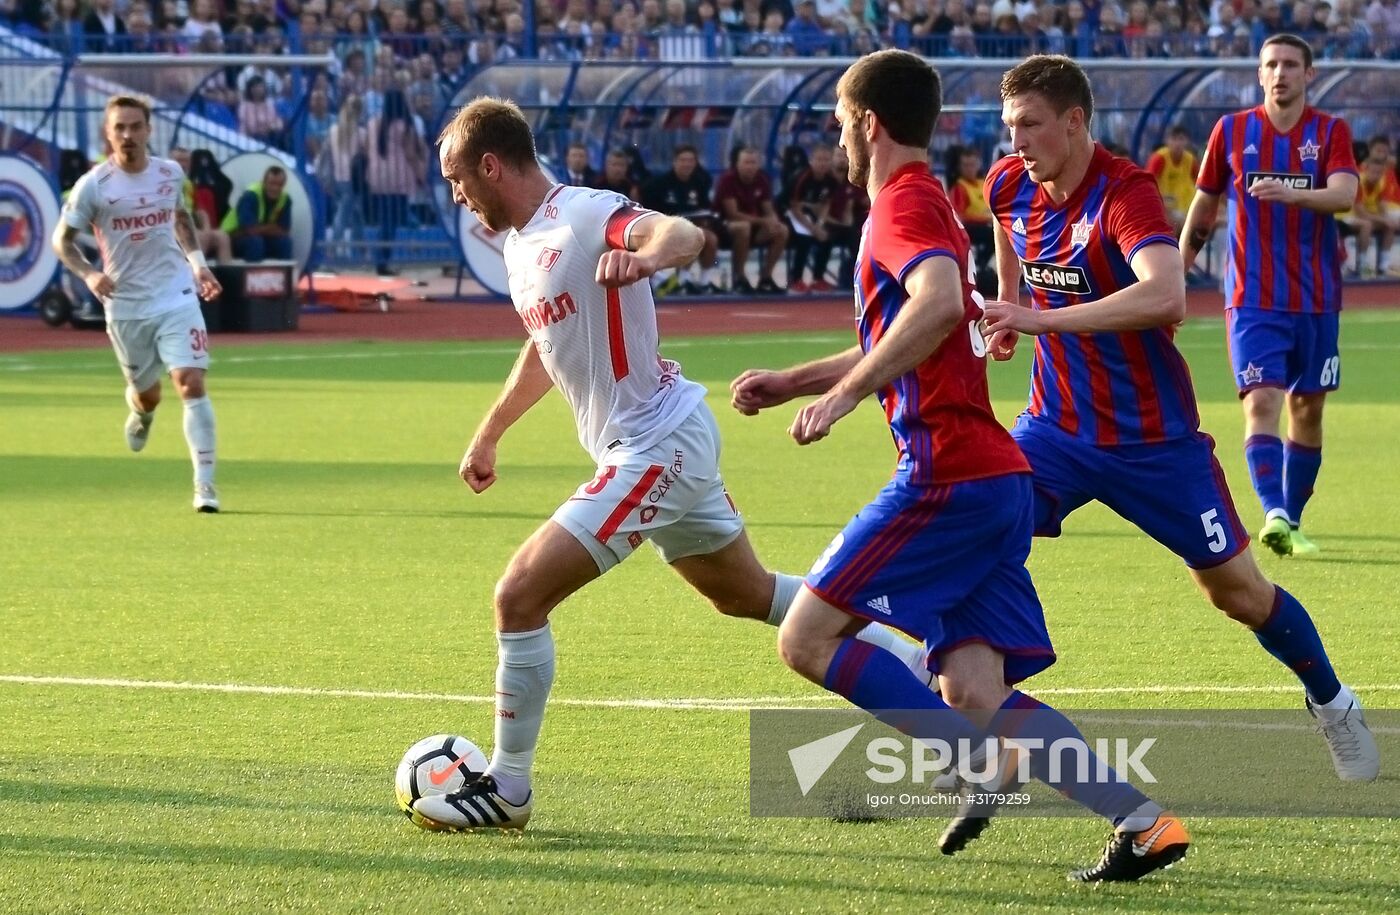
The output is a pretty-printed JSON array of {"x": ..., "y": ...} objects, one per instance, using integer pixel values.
[
  {"x": 575, "y": 257},
  {"x": 152, "y": 268}
]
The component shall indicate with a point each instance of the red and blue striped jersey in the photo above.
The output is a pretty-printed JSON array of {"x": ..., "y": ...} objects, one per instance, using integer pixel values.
[
  {"x": 1280, "y": 257},
  {"x": 939, "y": 412},
  {"x": 1122, "y": 388}
]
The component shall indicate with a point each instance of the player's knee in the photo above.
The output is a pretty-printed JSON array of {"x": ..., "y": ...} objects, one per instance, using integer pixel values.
[
  {"x": 965, "y": 695},
  {"x": 518, "y": 607},
  {"x": 191, "y": 387},
  {"x": 794, "y": 651},
  {"x": 1306, "y": 410},
  {"x": 1245, "y": 599},
  {"x": 1262, "y": 406}
]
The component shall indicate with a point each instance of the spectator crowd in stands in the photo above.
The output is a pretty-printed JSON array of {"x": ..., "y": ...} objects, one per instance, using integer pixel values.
[
  {"x": 458, "y": 35},
  {"x": 364, "y": 123}
]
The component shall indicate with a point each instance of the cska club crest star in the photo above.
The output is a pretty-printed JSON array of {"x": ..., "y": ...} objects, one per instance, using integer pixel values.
[
  {"x": 1308, "y": 150},
  {"x": 1252, "y": 374},
  {"x": 1079, "y": 233}
]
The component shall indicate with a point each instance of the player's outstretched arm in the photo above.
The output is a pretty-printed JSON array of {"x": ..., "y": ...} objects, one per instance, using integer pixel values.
[
  {"x": 1157, "y": 299},
  {"x": 759, "y": 389},
  {"x": 934, "y": 309},
  {"x": 528, "y": 382},
  {"x": 1198, "y": 226},
  {"x": 65, "y": 245},
  {"x": 654, "y": 243}
]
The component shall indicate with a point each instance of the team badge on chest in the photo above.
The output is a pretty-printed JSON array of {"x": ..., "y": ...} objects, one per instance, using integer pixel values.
[{"x": 1079, "y": 233}]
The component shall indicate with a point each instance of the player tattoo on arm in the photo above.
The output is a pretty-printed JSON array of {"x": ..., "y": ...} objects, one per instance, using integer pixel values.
[
  {"x": 65, "y": 245},
  {"x": 1198, "y": 226},
  {"x": 184, "y": 231},
  {"x": 1197, "y": 237}
]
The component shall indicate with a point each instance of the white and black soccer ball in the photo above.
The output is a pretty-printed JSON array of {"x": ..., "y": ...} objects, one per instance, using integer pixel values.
[{"x": 436, "y": 765}]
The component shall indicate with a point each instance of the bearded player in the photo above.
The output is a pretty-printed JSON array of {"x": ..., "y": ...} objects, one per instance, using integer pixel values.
[{"x": 152, "y": 274}]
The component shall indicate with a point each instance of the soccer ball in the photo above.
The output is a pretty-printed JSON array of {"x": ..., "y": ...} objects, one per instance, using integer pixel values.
[{"x": 435, "y": 765}]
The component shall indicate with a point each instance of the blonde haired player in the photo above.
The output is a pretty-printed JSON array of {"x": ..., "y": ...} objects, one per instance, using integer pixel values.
[
  {"x": 152, "y": 268},
  {"x": 577, "y": 260}
]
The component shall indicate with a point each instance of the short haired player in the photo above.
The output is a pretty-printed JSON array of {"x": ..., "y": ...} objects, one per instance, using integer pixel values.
[
  {"x": 577, "y": 260},
  {"x": 1286, "y": 170},
  {"x": 940, "y": 552},
  {"x": 152, "y": 276},
  {"x": 1112, "y": 416}
]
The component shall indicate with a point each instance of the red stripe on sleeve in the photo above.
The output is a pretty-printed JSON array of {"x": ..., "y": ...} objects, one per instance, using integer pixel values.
[
  {"x": 615, "y": 232},
  {"x": 617, "y": 344},
  {"x": 628, "y": 503}
]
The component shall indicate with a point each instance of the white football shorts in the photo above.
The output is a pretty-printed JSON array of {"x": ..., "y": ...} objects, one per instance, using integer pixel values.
[
  {"x": 670, "y": 494},
  {"x": 175, "y": 339}
]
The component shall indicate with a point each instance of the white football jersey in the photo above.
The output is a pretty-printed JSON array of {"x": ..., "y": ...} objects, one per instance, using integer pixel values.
[
  {"x": 599, "y": 345},
  {"x": 133, "y": 217}
]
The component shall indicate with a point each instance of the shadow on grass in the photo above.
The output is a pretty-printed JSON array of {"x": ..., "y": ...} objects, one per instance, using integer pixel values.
[{"x": 59, "y": 476}]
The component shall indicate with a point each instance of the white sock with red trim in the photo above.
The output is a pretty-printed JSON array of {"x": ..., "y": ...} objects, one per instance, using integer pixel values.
[{"x": 524, "y": 676}]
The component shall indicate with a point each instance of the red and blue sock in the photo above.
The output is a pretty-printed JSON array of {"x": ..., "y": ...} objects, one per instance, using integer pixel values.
[
  {"x": 1300, "y": 466},
  {"x": 1103, "y": 792},
  {"x": 1290, "y": 636},
  {"x": 1264, "y": 454},
  {"x": 878, "y": 682}
]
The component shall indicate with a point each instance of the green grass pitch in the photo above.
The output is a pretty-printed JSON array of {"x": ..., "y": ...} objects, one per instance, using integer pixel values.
[{"x": 350, "y": 557}]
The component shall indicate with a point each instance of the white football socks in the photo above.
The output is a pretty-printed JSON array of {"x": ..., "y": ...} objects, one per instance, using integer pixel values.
[
  {"x": 785, "y": 588},
  {"x": 199, "y": 435},
  {"x": 523, "y": 678},
  {"x": 1338, "y": 707},
  {"x": 910, "y": 654}
]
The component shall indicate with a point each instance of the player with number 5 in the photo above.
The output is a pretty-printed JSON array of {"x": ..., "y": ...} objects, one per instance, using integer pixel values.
[
  {"x": 940, "y": 552},
  {"x": 1112, "y": 415}
]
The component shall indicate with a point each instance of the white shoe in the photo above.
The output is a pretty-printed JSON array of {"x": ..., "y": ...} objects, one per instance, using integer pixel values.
[
  {"x": 476, "y": 805},
  {"x": 1353, "y": 749},
  {"x": 138, "y": 429},
  {"x": 206, "y": 499}
]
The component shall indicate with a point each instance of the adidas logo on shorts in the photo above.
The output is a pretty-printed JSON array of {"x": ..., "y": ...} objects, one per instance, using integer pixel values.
[{"x": 880, "y": 604}]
